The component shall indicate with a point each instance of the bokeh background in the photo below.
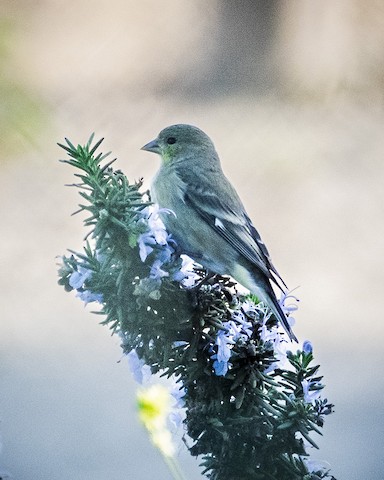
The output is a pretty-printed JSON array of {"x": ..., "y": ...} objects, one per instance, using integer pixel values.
[{"x": 292, "y": 94}]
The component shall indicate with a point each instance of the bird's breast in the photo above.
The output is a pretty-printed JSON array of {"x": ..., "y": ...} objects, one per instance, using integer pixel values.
[{"x": 167, "y": 189}]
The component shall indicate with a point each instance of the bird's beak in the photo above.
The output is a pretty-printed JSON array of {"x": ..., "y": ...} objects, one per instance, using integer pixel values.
[{"x": 152, "y": 147}]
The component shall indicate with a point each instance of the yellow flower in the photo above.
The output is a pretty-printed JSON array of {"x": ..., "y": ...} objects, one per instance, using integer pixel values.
[{"x": 154, "y": 404}]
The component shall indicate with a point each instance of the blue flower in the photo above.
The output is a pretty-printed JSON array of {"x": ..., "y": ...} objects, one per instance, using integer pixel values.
[
  {"x": 268, "y": 333},
  {"x": 145, "y": 242},
  {"x": 242, "y": 327},
  {"x": 307, "y": 347},
  {"x": 311, "y": 390},
  {"x": 221, "y": 368},
  {"x": 156, "y": 235},
  {"x": 156, "y": 271},
  {"x": 77, "y": 281},
  {"x": 79, "y": 276},
  {"x": 88, "y": 297},
  {"x": 251, "y": 310},
  {"x": 141, "y": 372},
  {"x": 288, "y": 308},
  {"x": 156, "y": 240},
  {"x": 291, "y": 307},
  {"x": 224, "y": 340},
  {"x": 165, "y": 253},
  {"x": 280, "y": 350}
]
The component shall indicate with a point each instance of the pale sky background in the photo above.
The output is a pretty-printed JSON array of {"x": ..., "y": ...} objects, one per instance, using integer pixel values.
[{"x": 291, "y": 92}]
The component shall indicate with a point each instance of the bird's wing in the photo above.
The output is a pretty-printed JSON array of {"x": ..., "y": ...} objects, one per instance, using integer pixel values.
[{"x": 227, "y": 217}]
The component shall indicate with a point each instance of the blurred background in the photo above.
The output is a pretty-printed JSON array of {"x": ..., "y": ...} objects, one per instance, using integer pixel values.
[{"x": 292, "y": 94}]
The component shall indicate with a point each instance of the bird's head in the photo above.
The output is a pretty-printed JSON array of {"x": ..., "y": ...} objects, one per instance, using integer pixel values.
[{"x": 180, "y": 141}]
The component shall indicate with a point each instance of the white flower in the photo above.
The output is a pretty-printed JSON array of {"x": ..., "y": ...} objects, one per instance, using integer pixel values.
[
  {"x": 186, "y": 275},
  {"x": 156, "y": 225}
]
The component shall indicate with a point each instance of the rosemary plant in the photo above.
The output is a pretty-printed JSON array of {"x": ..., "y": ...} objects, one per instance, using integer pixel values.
[{"x": 252, "y": 400}]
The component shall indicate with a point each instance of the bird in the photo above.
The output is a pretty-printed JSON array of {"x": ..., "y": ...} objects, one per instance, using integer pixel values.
[{"x": 208, "y": 220}]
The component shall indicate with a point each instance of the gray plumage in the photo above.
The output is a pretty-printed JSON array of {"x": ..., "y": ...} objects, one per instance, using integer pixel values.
[{"x": 210, "y": 223}]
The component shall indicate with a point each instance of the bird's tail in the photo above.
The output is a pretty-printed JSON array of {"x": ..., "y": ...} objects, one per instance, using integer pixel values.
[
  {"x": 272, "y": 302},
  {"x": 256, "y": 282}
]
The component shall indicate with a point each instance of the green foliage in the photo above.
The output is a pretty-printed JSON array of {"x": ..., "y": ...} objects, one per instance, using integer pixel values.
[{"x": 254, "y": 420}]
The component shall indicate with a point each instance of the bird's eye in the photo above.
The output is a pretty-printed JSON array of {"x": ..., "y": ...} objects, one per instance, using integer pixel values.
[{"x": 171, "y": 140}]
